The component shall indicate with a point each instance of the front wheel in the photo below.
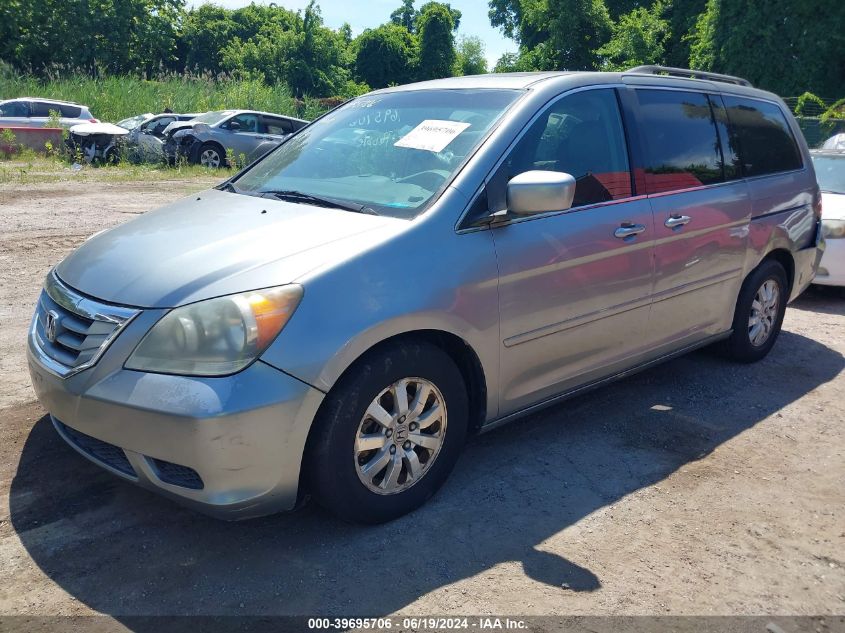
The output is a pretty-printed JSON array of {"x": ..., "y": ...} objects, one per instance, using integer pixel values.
[
  {"x": 210, "y": 156},
  {"x": 389, "y": 433},
  {"x": 759, "y": 313}
]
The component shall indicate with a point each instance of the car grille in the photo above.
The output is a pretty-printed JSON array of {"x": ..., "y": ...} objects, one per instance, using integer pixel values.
[
  {"x": 177, "y": 474},
  {"x": 72, "y": 330},
  {"x": 98, "y": 450}
]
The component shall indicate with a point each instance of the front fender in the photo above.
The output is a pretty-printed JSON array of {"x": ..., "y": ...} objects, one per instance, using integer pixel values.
[{"x": 425, "y": 278}]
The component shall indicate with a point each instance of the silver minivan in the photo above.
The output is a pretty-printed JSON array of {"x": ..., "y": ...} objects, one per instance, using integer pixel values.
[{"x": 422, "y": 263}]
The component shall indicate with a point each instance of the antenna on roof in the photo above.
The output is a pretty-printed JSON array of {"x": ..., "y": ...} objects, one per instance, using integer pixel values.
[{"x": 689, "y": 74}]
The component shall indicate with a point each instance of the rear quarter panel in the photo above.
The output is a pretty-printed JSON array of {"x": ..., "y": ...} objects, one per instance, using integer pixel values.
[{"x": 782, "y": 215}]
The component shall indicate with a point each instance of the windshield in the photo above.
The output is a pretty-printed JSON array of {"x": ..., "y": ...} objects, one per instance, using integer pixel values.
[
  {"x": 388, "y": 152},
  {"x": 830, "y": 172},
  {"x": 212, "y": 117}
]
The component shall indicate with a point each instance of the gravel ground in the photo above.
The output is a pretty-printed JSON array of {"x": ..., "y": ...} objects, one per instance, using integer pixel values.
[{"x": 698, "y": 487}]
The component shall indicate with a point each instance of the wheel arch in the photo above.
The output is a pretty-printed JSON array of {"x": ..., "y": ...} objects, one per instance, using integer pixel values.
[
  {"x": 459, "y": 350},
  {"x": 784, "y": 257}
]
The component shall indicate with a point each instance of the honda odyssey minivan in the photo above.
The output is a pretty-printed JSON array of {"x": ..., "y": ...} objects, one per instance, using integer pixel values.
[{"x": 422, "y": 263}]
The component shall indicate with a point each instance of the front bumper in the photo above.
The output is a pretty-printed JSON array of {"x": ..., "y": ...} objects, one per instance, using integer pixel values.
[
  {"x": 230, "y": 447},
  {"x": 832, "y": 267}
]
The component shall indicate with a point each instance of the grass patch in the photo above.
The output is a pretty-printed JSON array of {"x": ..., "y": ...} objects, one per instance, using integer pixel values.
[
  {"x": 30, "y": 168},
  {"x": 113, "y": 98}
]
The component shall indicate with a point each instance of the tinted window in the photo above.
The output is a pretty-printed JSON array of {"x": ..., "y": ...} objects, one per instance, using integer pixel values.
[
  {"x": 14, "y": 109},
  {"x": 727, "y": 141},
  {"x": 41, "y": 108},
  {"x": 581, "y": 135},
  {"x": 682, "y": 147},
  {"x": 766, "y": 143},
  {"x": 70, "y": 112}
]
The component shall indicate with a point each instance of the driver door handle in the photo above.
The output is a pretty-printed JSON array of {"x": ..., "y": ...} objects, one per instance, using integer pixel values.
[
  {"x": 628, "y": 230},
  {"x": 675, "y": 220}
]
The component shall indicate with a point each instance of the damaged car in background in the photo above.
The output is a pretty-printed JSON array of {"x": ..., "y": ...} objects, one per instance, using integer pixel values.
[
  {"x": 96, "y": 142},
  {"x": 145, "y": 141},
  {"x": 245, "y": 134}
]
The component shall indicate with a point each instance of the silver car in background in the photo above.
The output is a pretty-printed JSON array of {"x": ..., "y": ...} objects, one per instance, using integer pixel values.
[
  {"x": 35, "y": 112},
  {"x": 422, "y": 263},
  {"x": 243, "y": 134}
]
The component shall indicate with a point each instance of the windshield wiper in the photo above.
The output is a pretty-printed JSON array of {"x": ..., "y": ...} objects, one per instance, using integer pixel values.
[{"x": 320, "y": 201}]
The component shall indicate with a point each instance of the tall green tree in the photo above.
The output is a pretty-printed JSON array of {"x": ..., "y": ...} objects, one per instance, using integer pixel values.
[
  {"x": 786, "y": 47},
  {"x": 681, "y": 16},
  {"x": 386, "y": 55},
  {"x": 470, "y": 56},
  {"x": 555, "y": 34},
  {"x": 639, "y": 37},
  {"x": 406, "y": 15},
  {"x": 208, "y": 29},
  {"x": 310, "y": 58},
  {"x": 437, "y": 41},
  {"x": 115, "y": 36}
]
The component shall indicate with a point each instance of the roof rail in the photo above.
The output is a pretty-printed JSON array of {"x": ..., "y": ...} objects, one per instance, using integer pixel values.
[{"x": 686, "y": 72}]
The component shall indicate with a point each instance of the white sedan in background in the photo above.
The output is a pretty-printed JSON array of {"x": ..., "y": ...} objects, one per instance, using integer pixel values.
[{"x": 830, "y": 172}]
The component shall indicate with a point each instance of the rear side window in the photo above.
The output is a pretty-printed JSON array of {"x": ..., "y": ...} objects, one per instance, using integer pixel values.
[
  {"x": 278, "y": 126},
  {"x": 41, "y": 108},
  {"x": 582, "y": 135},
  {"x": 766, "y": 144},
  {"x": 70, "y": 112},
  {"x": 682, "y": 145}
]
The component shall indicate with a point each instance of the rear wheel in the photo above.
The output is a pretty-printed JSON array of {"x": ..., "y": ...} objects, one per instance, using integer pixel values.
[
  {"x": 389, "y": 433},
  {"x": 211, "y": 156},
  {"x": 759, "y": 313}
]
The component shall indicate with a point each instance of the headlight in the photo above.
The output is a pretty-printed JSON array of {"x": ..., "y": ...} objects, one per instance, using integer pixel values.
[
  {"x": 833, "y": 229},
  {"x": 217, "y": 336},
  {"x": 180, "y": 133}
]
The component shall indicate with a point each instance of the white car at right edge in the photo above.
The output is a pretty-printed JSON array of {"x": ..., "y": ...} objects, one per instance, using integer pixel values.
[{"x": 830, "y": 173}]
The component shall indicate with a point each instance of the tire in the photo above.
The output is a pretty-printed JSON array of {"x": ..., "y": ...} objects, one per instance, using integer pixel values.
[
  {"x": 212, "y": 156},
  {"x": 747, "y": 343},
  {"x": 351, "y": 479},
  {"x": 112, "y": 157}
]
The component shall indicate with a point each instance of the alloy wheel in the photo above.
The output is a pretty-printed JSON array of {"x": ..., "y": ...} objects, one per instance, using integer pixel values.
[
  {"x": 210, "y": 158},
  {"x": 400, "y": 436},
  {"x": 764, "y": 312}
]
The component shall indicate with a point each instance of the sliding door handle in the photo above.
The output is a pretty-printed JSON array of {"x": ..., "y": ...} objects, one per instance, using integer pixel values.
[
  {"x": 675, "y": 220},
  {"x": 628, "y": 230}
]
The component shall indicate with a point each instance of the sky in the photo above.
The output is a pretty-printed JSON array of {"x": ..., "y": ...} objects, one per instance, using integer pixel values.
[{"x": 370, "y": 13}]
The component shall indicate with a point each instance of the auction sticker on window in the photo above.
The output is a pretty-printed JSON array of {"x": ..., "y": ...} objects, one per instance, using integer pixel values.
[{"x": 432, "y": 135}]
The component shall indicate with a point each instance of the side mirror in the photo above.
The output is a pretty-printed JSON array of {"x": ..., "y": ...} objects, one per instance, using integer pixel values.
[
  {"x": 235, "y": 126},
  {"x": 539, "y": 191}
]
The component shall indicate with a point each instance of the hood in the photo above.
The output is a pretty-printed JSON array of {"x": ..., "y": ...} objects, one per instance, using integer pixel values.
[
  {"x": 176, "y": 126},
  {"x": 217, "y": 243},
  {"x": 87, "y": 129},
  {"x": 833, "y": 206}
]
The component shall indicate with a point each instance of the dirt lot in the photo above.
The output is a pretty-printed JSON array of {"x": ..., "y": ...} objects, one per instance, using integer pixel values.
[{"x": 699, "y": 487}]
